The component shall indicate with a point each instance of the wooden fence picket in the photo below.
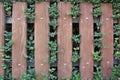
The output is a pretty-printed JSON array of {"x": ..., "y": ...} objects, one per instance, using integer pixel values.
[
  {"x": 41, "y": 38},
  {"x": 64, "y": 41},
  {"x": 107, "y": 30},
  {"x": 19, "y": 36},
  {"x": 2, "y": 27},
  {"x": 86, "y": 45}
]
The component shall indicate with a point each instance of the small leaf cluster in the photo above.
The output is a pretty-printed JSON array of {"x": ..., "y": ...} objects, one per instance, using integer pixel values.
[
  {"x": 116, "y": 10},
  {"x": 116, "y": 41},
  {"x": 8, "y": 7},
  {"x": 53, "y": 50},
  {"x": 75, "y": 11},
  {"x": 6, "y": 55},
  {"x": 76, "y": 40},
  {"x": 97, "y": 11},
  {"x": 115, "y": 72},
  {"x": 98, "y": 74},
  {"x": 30, "y": 10},
  {"x": 30, "y": 45},
  {"x": 30, "y": 75}
]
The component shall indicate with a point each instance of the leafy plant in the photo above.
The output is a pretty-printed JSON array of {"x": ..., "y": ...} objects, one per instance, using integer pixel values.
[
  {"x": 96, "y": 56},
  {"x": 97, "y": 11},
  {"x": 115, "y": 73},
  {"x": 116, "y": 10},
  {"x": 8, "y": 7},
  {"x": 30, "y": 45},
  {"x": 76, "y": 38},
  {"x": 6, "y": 55},
  {"x": 98, "y": 74},
  {"x": 30, "y": 75},
  {"x": 75, "y": 12},
  {"x": 30, "y": 10},
  {"x": 75, "y": 56}
]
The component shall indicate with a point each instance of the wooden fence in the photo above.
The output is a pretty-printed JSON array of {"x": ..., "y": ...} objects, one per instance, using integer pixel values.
[{"x": 64, "y": 32}]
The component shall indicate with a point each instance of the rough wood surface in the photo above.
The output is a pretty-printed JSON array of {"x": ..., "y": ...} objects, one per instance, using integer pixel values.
[
  {"x": 107, "y": 30},
  {"x": 2, "y": 27},
  {"x": 41, "y": 38},
  {"x": 64, "y": 41},
  {"x": 86, "y": 45},
  {"x": 19, "y": 29}
]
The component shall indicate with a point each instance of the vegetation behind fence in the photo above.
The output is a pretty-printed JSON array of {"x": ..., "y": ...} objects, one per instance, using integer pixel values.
[{"x": 58, "y": 45}]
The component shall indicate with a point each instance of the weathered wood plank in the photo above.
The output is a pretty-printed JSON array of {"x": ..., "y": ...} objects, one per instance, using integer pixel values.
[
  {"x": 41, "y": 38},
  {"x": 2, "y": 27},
  {"x": 86, "y": 45},
  {"x": 19, "y": 35},
  {"x": 64, "y": 41},
  {"x": 107, "y": 30}
]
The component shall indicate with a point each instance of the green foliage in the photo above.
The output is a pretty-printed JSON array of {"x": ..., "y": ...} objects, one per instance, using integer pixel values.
[
  {"x": 98, "y": 74},
  {"x": 75, "y": 12},
  {"x": 8, "y": 7},
  {"x": 30, "y": 10},
  {"x": 30, "y": 45},
  {"x": 6, "y": 55},
  {"x": 30, "y": 75},
  {"x": 75, "y": 56},
  {"x": 53, "y": 23},
  {"x": 96, "y": 56},
  {"x": 53, "y": 50},
  {"x": 97, "y": 11},
  {"x": 53, "y": 14},
  {"x": 115, "y": 73},
  {"x": 98, "y": 40},
  {"x": 116, "y": 10},
  {"x": 76, "y": 38},
  {"x": 53, "y": 11},
  {"x": 116, "y": 30}
]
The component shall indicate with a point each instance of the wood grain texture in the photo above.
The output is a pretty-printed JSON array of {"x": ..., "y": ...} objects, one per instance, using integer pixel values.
[
  {"x": 64, "y": 41},
  {"x": 19, "y": 35},
  {"x": 41, "y": 38},
  {"x": 2, "y": 27},
  {"x": 86, "y": 45},
  {"x": 107, "y": 30}
]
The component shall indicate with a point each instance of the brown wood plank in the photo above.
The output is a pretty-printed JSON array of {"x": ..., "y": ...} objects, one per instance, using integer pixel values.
[
  {"x": 86, "y": 45},
  {"x": 107, "y": 30},
  {"x": 64, "y": 41},
  {"x": 2, "y": 27},
  {"x": 41, "y": 38},
  {"x": 19, "y": 29}
]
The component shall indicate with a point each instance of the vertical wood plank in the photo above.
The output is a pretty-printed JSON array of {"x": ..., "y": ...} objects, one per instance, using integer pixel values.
[
  {"x": 2, "y": 27},
  {"x": 64, "y": 41},
  {"x": 107, "y": 30},
  {"x": 86, "y": 45},
  {"x": 19, "y": 35},
  {"x": 41, "y": 38}
]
